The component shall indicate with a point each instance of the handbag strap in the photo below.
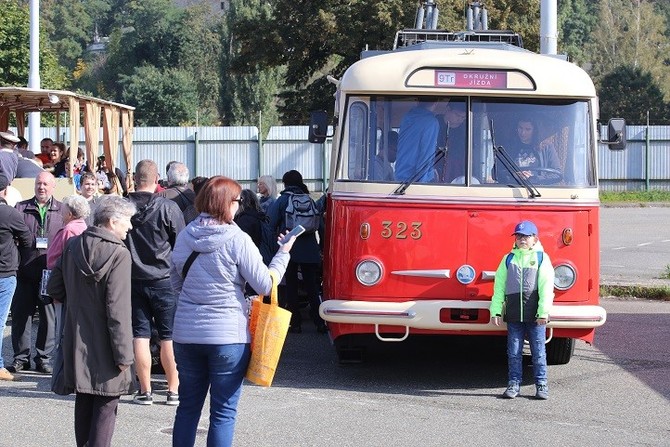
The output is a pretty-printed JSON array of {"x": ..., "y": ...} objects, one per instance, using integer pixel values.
[{"x": 187, "y": 264}]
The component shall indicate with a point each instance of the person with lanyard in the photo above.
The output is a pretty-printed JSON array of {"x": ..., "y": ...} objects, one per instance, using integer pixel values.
[{"x": 42, "y": 215}]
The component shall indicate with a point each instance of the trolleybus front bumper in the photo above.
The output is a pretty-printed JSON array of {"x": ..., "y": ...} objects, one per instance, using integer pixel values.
[{"x": 427, "y": 314}]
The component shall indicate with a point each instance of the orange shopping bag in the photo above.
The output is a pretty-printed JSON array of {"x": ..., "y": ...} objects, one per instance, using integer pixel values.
[{"x": 268, "y": 326}]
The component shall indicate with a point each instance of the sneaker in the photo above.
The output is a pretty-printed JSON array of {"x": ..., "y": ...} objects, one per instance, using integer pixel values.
[
  {"x": 172, "y": 398},
  {"x": 512, "y": 390},
  {"x": 542, "y": 392},
  {"x": 6, "y": 375},
  {"x": 143, "y": 398}
]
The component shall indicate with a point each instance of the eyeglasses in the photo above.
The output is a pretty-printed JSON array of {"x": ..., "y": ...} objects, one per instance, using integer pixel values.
[{"x": 237, "y": 200}]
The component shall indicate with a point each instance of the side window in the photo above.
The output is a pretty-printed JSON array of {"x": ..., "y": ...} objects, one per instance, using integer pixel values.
[{"x": 358, "y": 139}]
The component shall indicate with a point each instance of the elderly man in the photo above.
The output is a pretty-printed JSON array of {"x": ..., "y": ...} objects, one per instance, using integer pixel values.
[
  {"x": 178, "y": 190},
  {"x": 42, "y": 215},
  {"x": 151, "y": 241},
  {"x": 12, "y": 230}
]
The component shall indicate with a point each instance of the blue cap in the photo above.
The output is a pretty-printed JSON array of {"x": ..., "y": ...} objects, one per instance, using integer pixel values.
[{"x": 525, "y": 227}]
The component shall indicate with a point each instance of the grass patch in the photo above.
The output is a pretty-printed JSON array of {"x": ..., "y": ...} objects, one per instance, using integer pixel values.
[
  {"x": 652, "y": 293},
  {"x": 666, "y": 273},
  {"x": 635, "y": 196}
]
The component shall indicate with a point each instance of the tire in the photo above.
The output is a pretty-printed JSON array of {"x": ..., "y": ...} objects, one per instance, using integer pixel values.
[{"x": 560, "y": 350}]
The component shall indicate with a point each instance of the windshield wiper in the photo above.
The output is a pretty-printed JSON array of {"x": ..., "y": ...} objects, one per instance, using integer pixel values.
[
  {"x": 509, "y": 164},
  {"x": 441, "y": 152}
]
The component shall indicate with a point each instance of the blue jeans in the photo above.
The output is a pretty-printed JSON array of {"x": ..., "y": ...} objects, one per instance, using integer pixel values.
[
  {"x": 536, "y": 336},
  {"x": 7, "y": 287},
  {"x": 219, "y": 369}
]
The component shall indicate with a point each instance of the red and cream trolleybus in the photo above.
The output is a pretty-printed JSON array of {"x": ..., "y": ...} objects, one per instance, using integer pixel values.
[{"x": 430, "y": 172}]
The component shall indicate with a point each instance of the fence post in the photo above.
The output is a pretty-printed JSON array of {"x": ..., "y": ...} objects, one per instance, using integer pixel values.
[{"x": 647, "y": 163}]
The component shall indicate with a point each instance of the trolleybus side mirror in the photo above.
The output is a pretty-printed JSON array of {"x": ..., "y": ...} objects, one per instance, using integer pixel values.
[
  {"x": 318, "y": 127},
  {"x": 616, "y": 134}
]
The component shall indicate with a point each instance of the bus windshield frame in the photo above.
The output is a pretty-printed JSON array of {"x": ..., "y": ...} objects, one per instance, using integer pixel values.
[{"x": 441, "y": 140}]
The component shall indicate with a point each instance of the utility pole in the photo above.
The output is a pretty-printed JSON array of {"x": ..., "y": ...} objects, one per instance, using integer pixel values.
[
  {"x": 34, "y": 75},
  {"x": 548, "y": 27}
]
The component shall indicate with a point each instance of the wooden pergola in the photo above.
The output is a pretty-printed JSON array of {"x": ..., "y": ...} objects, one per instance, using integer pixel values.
[{"x": 96, "y": 113}]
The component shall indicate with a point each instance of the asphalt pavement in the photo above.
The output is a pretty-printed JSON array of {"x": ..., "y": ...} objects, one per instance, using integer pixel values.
[{"x": 422, "y": 396}]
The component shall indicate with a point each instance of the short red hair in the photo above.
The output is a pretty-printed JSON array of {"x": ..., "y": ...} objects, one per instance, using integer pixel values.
[{"x": 217, "y": 196}]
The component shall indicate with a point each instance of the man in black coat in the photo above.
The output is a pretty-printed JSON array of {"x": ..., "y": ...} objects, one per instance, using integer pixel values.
[
  {"x": 151, "y": 241},
  {"x": 12, "y": 230}
]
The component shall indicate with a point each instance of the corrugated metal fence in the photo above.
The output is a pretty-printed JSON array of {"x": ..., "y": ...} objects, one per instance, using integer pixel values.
[
  {"x": 237, "y": 153},
  {"x": 644, "y": 164}
]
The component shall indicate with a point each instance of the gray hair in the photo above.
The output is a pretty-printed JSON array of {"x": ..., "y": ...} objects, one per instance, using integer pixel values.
[
  {"x": 78, "y": 206},
  {"x": 270, "y": 184},
  {"x": 112, "y": 207},
  {"x": 177, "y": 175}
]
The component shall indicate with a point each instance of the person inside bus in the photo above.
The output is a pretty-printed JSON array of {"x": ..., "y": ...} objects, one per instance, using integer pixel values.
[
  {"x": 527, "y": 154},
  {"x": 417, "y": 141},
  {"x": 382, "y": 169},
  {"x": 451, "y": 138}
]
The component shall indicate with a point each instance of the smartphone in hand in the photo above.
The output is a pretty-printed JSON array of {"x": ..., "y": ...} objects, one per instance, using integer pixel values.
[{"x": 297, "y": 231}]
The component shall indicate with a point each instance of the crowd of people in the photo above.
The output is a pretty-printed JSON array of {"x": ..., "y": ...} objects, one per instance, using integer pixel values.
[{"x": 127, "y": 262}]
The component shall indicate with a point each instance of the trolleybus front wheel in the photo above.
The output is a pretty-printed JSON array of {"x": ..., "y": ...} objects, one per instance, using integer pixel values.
[{"x": 560, "y": 350}]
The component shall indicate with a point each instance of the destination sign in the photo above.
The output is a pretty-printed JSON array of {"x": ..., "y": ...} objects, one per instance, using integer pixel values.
[{"x": 471, "y": 79}]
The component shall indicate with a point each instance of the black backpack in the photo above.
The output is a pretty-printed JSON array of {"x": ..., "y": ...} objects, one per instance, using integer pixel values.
[{"x": 301, "y": 210}]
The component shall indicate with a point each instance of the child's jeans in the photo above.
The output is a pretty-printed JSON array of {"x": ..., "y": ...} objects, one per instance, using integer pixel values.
[{"x": 536, "y": 336}]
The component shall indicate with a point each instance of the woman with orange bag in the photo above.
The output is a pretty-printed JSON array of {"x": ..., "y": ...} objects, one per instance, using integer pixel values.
[{"x": 212, "y": 261}]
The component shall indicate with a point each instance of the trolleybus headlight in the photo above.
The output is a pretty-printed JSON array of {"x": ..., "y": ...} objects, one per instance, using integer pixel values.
[
  {"x": 564, "y": 276},
  {"x": 368, "y": 272}
]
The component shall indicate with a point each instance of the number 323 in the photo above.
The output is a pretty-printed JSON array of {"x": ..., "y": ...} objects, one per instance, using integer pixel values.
[{"x": 402, "y": 230}]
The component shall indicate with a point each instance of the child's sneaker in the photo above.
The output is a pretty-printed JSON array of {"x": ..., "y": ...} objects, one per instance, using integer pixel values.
[
  {"x": 172, "y": 398},
  {"x": 143, "y": 398},
  {"x": 512, "y": 390},
  {"x": 542, "y": 392}
]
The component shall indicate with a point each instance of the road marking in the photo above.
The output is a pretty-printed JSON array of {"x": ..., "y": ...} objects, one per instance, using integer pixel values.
[
  {"x": 618, "y": 248},
  {"x": 665, "y": 240},
  {"x": 643, "y": 244}
]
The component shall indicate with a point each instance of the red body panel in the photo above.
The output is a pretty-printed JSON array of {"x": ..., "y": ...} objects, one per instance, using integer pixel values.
[{"x": 406, "y": 235}]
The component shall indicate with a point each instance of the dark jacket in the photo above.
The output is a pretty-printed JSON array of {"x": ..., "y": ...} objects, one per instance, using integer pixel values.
[
  {"x": 305, "y": 248},
  {"x": 13, "y": 230},
  {"x": 183, "y": 196},
  {"x": 33, "y": 259},
  {"x": 249, "y": 221},
  {"x": 155, "y": 228},
  {"x": 93, "y": 280}
]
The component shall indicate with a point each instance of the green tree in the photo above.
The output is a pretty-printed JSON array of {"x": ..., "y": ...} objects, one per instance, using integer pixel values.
[
  {"x": 71, "y": 30},
  {"x": 629, "y": 33},
  {"x": 245, "y": 96},
  {"x": 163, "y": 97},
  {"x": 629, "y": 92},
  {"x": 153, "y": 36},
  {"x": 576, "y": 21},
  {"x": 313, "y": 39},
  {"x": 15, "y": 50}
]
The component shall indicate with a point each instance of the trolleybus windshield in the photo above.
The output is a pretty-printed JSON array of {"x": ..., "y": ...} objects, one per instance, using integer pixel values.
[{"x": 440, "y": 140}]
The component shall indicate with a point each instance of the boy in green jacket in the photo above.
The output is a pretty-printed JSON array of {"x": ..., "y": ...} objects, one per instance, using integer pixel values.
[{"x": 524, "y": 285}]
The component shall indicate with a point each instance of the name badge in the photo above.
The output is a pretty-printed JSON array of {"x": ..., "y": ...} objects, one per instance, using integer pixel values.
[{"x": 42, "y": 243}]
